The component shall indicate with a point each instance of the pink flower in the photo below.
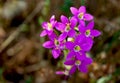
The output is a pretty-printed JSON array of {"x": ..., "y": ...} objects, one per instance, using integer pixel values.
[
  {"x": 81, "y": 14},
  {"x": 48, "y": 27}
]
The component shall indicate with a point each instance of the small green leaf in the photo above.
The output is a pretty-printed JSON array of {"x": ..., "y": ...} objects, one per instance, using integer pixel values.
[
  {"x": 29, "y": 79},
  {"x": 40, "y": 20},
  {"x": 24, "y": 28},
  {"x": 104, "y": 79}
]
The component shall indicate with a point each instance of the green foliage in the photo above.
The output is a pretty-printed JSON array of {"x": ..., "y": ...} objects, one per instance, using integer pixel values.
[
  {"x": 24, "y": 28},
  {"x": 82, "y": 2},
  {"x": 46, "y": 7},
  {"x": 117, "y": 72},
  {"x": 114, "y": 41},
  {"x": 40, "y": 20},
  {"x": 104, "y": 79},
  {"x": 66, "y": 6},
  {"x": 29, "y": 80}
]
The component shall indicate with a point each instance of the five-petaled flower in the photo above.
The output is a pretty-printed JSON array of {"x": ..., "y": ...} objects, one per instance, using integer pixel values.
[
  {"x": 66, "y": 27},
  {"x": 79, "y": 46},
  {"x": 81, "y": 14},
  {"x": 55, "y": 45},
  {"x": 80, "y": 63},
  {"x": 48, "y": 27},
  {"x": 88, "y": 31}
]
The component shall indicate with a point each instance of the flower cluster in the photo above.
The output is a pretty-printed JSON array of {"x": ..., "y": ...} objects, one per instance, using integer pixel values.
[{"x": 73, "y": 35}]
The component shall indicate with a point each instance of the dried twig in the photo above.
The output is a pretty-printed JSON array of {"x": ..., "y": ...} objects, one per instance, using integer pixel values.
[{"x": 18, "y": 30}]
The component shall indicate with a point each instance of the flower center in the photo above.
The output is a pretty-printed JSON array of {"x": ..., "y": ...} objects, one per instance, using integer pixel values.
[
  {"x": 87, "y": 32},
  {"x": 56, "y": 42},
  {"x": 81, "y": 15},
  {"x": 49, "y": 26},
  {"x": 77, "y": 62},
  {"x": 70, "y": 39},
  {"x": 77, "y": 48},
  {"x": 67, "y": 28}
]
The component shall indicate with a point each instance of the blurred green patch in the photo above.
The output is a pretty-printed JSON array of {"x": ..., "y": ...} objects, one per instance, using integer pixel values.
[
  {"x": 29, "y": 79},
  {"x": 66, "y": 7},
  {"x": 104, "y": 79}
]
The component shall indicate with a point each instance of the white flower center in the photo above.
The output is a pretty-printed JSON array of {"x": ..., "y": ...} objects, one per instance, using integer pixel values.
[{"x": 70, "y": 39}]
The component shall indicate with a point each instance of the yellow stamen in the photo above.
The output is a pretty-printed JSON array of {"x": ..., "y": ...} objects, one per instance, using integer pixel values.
[
  {"x": 67, "y": 28},
  {"x": 77, "y": 48},
  {"x": 81, "y": 15},
  {"x": 56, "y": 42},
  {"x": 49, "y": 26},
  {"x": 77, "y": 62},
  {"x": 87, "y": 32}
]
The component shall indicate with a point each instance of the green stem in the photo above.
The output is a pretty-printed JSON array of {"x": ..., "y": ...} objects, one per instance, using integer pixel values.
[{"x": 82, "y": 2}]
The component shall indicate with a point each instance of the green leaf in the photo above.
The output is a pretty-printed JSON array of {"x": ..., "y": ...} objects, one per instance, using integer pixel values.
[
  {"x": 104, "y": 79},
  {"x": 40, "y": 20},
  {"x": 29, "y": 79},
  {"x": 117, "y": 72}
]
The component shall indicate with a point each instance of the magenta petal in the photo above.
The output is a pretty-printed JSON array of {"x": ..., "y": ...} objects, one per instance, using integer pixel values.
[
  {"x": 60, "y": 26},
  {"x": 95, "y": 33},
  {"x": 83, "y": 68},
  {"x": 55, "y": 53},
  {"x": 73, "y": 22},
  {"x": 82, "y": 29},
  {"x": 80, "y": 56},
  {"x": 52, "y": 18},
  {"x": 71, "y": 33},
  {"x": 62, "y": 36},
  {"x": 73, "y": 69},
  {"x": 82, "y": 9},
  {"x": 53, "y": 23},
  {"x": 74, "y": 10},
  {"x": 52, "y": 37},
  {"x": 59, "y": 72},
  {"x": 48, "y": 44},
  {"x": 69, "y": 62},
  {"x": 44, "y": 25},
  {"x": 87, "y": 45},
  {"x": 82, "y": 22},
  {"x": 88, "y": 17},
  {"x": 70, "y": 55},
  {"x": 64, "y": 19},
  {"x": 69, "y": 45},
  {"x": 43, "y": 33},
  {"x": 79, "y": 39},
  {"x": 88, "y": 61},
  {"x": 49, "y": 32},
  {"x": 90, "y": 25}
]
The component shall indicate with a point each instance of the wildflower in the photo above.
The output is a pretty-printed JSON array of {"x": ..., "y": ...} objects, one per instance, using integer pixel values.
[
  {"x": 75, "y": 39},
  {"x": 88, "y": 31},
  {"x": 48, "y": 27},
  {"x": 55, "y": 45},
  {"x": 79, "y": 46},
  {"x": 81, "y": 14},
  {"x": 80, "y": 63},
  {"x": 66, "y": 27}
]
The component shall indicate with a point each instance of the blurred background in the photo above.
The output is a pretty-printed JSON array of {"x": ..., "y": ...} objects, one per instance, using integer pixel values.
[{"x": 24, "y": 60}]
